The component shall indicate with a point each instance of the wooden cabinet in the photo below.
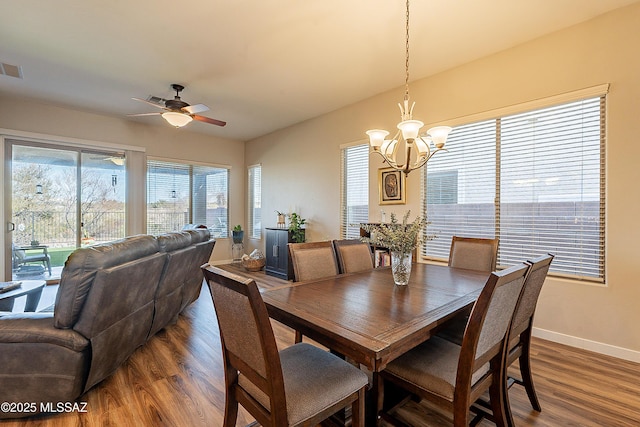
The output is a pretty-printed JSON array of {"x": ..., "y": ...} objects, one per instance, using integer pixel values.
[{"x": 277, "y": 253}]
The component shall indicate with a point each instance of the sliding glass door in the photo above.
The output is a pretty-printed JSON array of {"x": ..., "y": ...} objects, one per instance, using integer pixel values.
[{"x": 60, "y": 198}]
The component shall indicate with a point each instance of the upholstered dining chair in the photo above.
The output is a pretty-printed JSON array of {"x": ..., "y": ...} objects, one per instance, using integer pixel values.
[
  {"x": 311, "y": 261},
  {"x": 453, "y": 377},
  {"x": 521, "y": 328},
  {"x": 473, "y": 253},
  {"x": 298, "y": 386},
  {"x": 353, "y": 255}
]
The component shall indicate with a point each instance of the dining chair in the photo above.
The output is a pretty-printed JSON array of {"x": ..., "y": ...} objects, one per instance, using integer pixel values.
[
  {"x": 520, "y": 332},
  {"x": 353, "y": 255},
  {"x": 453, "y": 377},
  {"x": 473, "y": 253},
  {"x": 311, "y": 261},
  {"x": 298, "y": 386}
]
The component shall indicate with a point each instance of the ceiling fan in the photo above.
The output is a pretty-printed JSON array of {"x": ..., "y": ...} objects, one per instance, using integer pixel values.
[{"x": 177, "y": 112}]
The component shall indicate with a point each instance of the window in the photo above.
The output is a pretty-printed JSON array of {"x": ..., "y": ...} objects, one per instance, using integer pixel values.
[
  {"x": 179, "y": 194},
  {"x": 355, "y": 190},
  {"x": 255, "y": 202},
  {"x": 535, "y": 180}
]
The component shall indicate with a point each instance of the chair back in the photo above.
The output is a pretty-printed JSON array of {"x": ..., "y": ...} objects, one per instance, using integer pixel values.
[
  {"x": 485, "y": 335},
  {"x": 531, "y": 291},
  {"x": 473, "y": 253},
  {"x": 314, "y": 260},
  {"x": 248, "y": 345},
  {"x": 353, "y": 255}
]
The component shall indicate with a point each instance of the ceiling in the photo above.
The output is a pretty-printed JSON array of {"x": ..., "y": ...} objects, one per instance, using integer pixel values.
[{"x": 259, "y": 65}]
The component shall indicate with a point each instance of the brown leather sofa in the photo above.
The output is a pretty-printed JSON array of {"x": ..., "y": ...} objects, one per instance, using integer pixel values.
[{"x": 112, "y": 298}]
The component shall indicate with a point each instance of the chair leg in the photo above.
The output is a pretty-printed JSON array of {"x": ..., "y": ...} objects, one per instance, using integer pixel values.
[
  {"x": 357, "y": 410},
  {"x": 497, "y": 391},
  {"x": 525, "y": 370},
  {"x": 505, "y": 400},
  {"x": 230, "y": 410},
  {"x": 298, "y": 337}
]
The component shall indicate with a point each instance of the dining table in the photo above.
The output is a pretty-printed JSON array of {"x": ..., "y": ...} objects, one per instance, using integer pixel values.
[{"x": 368, "y": 319}]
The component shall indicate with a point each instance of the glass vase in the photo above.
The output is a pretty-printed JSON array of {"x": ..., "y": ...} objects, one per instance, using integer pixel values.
[{"x": 401, "y": 267}]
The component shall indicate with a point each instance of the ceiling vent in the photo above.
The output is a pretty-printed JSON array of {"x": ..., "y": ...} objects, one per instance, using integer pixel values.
[
  {"x": 10, "y": 70},
  {"x": 156, "y": 100}
]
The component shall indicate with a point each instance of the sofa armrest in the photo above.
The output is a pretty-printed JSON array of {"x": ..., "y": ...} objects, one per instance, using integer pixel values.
[{"x": 38, "y": 328}]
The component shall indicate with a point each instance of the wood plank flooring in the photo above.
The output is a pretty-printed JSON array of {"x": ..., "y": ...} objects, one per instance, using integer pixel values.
[{"x": 176, "y": 379}]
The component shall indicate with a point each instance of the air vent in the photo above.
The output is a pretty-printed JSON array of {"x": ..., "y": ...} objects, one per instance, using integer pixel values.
[
  {"x": 156, "y": 100},
  {"x": 10, "y": 70}
]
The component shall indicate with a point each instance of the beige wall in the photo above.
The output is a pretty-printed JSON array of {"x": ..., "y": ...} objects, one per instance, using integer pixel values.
[
  {"x": 158, "y": 141},
  {"x": 301, "y": 164}
]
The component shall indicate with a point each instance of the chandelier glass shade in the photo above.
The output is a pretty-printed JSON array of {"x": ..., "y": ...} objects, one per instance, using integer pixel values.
[
  {"x": 407, "y": 149},
  {"x": 177, "y": 119}
]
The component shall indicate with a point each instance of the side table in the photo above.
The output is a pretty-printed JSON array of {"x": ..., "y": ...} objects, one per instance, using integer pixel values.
[{"x": 31, "y": 288}]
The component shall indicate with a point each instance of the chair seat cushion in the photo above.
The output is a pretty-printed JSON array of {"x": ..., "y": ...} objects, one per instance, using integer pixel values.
[
  {"x": 314, "y": 380},
  {"x": 432, "y": 366}
]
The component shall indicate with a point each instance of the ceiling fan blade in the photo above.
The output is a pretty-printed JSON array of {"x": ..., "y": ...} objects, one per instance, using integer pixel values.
[
  {"x": 144, "y": 114},
  {"x": 150, "y": 103},
  {"x": 208, "y": 120},
  {"x": 195, "y": 109}
]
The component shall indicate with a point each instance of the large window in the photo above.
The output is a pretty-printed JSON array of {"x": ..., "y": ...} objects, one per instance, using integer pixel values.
[
  {"x": 179, "y": 194},
  {"x": 255, "y": 201},
  {"x": 535, "y": 180},
  {"x": 355, "y": 190}
]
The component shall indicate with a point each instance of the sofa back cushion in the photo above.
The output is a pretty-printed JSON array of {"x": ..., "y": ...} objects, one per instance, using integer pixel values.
[
  {"x": 199, "y": 235},
  {"x": 169, "y": 242},
  {"x": 81, "y": 268}
]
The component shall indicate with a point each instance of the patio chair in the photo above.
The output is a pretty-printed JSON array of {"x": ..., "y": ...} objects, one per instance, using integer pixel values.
[
  {"x": 19, "y": 257},
  {"x": 301, "y": 385}
]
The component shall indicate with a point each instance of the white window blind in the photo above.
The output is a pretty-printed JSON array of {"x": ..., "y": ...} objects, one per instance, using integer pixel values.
[
  {"x": 355, "y": 190},
  {"x": 538, "y": 176},
  {"x": 179, "y": 194},
  {"x": 255, "y": 202}
]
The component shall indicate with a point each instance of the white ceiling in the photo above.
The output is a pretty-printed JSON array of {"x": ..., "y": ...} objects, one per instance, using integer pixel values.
[{"x": 260, "y": 65}]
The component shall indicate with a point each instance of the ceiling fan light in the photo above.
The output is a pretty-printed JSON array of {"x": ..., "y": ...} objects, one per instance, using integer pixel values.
[{"x": 177, "y": 119}]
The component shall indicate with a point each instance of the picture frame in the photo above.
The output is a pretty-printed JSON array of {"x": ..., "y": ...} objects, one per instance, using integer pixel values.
[{"x": 392, "y": 187}]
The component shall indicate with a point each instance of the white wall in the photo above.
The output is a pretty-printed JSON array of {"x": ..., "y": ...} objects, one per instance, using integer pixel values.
[{"x": 301, "y": 164}]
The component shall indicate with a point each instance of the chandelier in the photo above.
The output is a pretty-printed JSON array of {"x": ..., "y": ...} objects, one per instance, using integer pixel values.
[{"x": 408, "y": 135}]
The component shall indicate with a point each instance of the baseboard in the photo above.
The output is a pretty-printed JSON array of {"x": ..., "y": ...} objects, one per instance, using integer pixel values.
[{"x": 597, "y": 347}]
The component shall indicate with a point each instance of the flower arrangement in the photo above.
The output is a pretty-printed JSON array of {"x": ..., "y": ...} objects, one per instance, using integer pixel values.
[{"x": 397, "y": 237}]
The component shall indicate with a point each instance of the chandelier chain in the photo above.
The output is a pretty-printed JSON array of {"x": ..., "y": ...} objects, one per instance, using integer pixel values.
[{"x": 406, "y": 62}]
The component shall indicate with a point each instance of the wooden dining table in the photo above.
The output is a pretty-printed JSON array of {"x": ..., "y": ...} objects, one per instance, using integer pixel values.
[
  {"x": 370, "y": 320},
  {"x": 366, "y": 317}
]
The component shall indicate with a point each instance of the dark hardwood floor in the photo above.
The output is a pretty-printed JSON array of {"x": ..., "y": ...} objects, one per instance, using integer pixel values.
[{"x": 176, "y": 379}]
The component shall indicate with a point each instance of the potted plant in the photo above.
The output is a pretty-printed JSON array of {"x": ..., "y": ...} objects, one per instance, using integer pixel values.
[
  {"x": 238, "y": 234},
  {"x": 295, "y": 227}
]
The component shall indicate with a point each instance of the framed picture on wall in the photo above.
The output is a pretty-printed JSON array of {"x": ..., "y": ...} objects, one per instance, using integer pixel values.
[{"x": 391, "y": 187}]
